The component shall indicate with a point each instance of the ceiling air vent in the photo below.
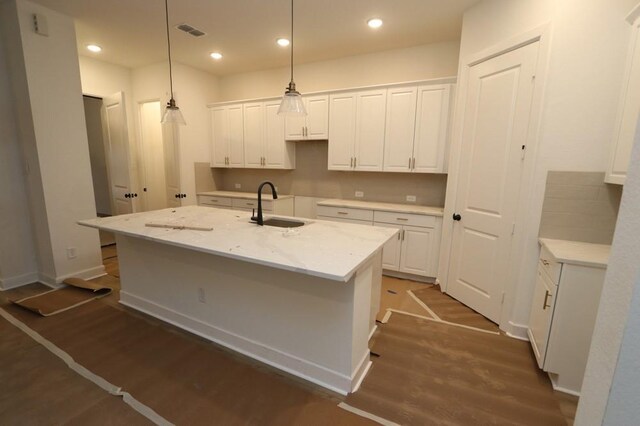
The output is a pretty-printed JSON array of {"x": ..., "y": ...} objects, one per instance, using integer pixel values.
[{"x": 190, "y": 30}]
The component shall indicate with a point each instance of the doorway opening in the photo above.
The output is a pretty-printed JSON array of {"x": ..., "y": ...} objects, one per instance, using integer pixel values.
[{"x": 154, "y": 193}]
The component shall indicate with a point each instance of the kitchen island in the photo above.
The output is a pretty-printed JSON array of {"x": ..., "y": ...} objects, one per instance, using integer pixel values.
[{"x": 300, "y": 299}]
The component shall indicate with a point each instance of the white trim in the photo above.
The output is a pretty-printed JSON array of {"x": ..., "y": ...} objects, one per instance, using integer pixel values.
[
  {"x": 553, "y": 378},
  {"x": 517, "y": 331},
  {"x": 366, "y": 415},
  {"x": 373, "y": 330},
  {"x": 18, "y": 281},
  {"x": 310, "y": 371},
  {"x": 406, "y": 276},
  {"x": 440, "y": 80},
  {"x": 364, "y": 370},
  {"x": 85, "y": 274},
  {"x": 634, "y": 14}
]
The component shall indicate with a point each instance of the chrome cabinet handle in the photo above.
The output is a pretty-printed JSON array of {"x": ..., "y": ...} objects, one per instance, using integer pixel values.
[
  {"x": 413, "y": 165},
  {"x": 546, "y": 297},
  {"x": 403, "y": 235},
  {"x": 343, "y": 213},
  {"x": 409, "y": 163},
  {"x": 401, "y": 218}
]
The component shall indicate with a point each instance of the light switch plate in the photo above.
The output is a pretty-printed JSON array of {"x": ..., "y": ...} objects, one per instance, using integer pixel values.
[
  {"x": 411, "y": 198},
  {"x": 359, "y": 194},
  {"x": 238, "y": 186}
]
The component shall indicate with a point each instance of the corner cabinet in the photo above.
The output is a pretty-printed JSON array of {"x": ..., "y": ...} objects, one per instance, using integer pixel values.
[
  {"x": 628, "y": 109},
  {"x": 316, "y": 123}
]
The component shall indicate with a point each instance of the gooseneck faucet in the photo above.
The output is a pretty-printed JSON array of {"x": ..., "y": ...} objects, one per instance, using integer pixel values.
[{"x": 259, "y": 220}]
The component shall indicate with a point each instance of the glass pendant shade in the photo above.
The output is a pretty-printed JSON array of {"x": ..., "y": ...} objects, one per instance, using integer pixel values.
[
  {"x": 172, "y": 114},
  {"x": 292, "y": 104}
]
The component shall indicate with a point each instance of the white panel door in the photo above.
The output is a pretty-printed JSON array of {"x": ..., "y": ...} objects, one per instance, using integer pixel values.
[
  {"x": 274, "y": 142},
  {"x": 171, "y": 145},
  {"x": 392, "y": 248},
  {"x": 152, "y": 151},
  {"x": 342, "y": 130},
  {"x": 115, "y": 123},
  {"x": 400, "y": 128},
  {"x": 496, "y": 122},
  {"x": 417, "y": 246},
  {"x": 219, "y": 136},
  {"x": 431, "y": 128},
  {"x": 317, "y": 121},
  {"x": 370, "y": 125},
  {"x": 235, "y": 136},
  {"x": 253, "y": 116}
]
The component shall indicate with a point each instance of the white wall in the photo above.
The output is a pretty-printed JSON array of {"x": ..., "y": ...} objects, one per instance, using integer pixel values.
[
  {"x": 193, "y": 90},
  {"x": 97, "y": 153},
  {"x": 17, "y": 255},
  {"x": 587, "y": 51},
  {"x": 414, "y": 63},
  {"x": 618, "y": 321},
  {"x": 48, "y": 100}
]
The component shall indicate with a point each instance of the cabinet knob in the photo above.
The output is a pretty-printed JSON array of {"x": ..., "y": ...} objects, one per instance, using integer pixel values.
[{"x": 457, "y": 217}]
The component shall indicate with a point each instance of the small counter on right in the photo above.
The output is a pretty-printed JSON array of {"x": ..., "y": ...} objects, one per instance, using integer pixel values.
[{"x": 564, "y": 308}]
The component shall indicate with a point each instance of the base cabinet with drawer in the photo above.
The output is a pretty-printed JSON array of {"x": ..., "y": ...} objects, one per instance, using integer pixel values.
[
  {"x": 279, "y": 206},
  {"x": 563, "y": 314},
  {"x": 414, "y": 251}
]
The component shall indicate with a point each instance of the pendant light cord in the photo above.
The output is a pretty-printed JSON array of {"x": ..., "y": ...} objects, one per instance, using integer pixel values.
[
  {"x": 166, "y": 10},
  {"x": 292, "y": 41}
]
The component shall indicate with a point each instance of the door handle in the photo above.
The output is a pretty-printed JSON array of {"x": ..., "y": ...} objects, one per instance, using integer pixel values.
[
  {"x": 457, "y": 217},
  {"x": 546, "y": 297}
]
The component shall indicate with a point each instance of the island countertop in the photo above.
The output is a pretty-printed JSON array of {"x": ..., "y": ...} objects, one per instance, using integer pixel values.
[{"x": 325, "y": 249}]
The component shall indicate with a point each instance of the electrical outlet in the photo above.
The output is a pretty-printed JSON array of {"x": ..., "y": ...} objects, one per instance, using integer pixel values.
[
  {"x": 411, "y": 198},
  {"x": 359, "y": 194},
  {"x": 238, "y": 186},
  {"x": 201, "y": 297},
  {"x": 71, "y": 253}
]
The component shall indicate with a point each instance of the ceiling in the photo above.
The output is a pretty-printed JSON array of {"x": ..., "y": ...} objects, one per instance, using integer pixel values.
[{"x": 132, "y": 32}]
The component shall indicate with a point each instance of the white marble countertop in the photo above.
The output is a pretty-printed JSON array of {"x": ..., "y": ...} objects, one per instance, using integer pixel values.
[
  {"x": 577, "y": 252},
  {"x": 266, "y": 195},
  {"x": 325, "y": 249},
  {"x": 387, "y": 207}
]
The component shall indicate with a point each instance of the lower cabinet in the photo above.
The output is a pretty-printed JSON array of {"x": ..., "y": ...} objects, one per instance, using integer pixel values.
[
  {"x": 541, "y": 314},
  {"x": 280, "y": 206}
]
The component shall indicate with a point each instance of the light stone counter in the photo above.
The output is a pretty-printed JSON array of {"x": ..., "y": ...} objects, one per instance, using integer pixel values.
[
  {"x": 577, "y": 252},
  {"x": 387, "y": 207}
]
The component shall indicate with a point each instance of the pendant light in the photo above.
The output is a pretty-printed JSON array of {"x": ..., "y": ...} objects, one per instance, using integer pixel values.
[
  {"x": 172, "y": 113},
  {"x": 292, "y": 104}
]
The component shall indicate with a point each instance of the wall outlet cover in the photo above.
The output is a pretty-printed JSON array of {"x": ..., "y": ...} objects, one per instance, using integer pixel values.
[
  {"x": 359, "y": 194},
  {"x": 71, "y": 253},
  {"x": 201, "y": 297},
  {"x": 238, "y": 186},
  {"x": 411, "y": 198}
]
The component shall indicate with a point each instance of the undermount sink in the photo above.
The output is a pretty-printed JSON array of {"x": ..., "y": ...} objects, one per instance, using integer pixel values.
[{"x": 283, "y": 223}]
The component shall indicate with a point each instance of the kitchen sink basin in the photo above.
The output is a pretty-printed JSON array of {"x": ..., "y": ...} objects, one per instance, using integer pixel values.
[{"x": 283, "y": 223}]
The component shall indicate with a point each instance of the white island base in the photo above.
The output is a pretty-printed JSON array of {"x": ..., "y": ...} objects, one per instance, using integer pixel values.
[{"x": 312, "y": 327}]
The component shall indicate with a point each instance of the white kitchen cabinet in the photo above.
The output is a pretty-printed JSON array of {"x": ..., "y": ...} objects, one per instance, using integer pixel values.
[
  {"x": 416, "y": 128},
  {"x": 563, "y": 313},
  {"x": 227, "y": 136},
  {"x": 246, "y": 202},
  {"x": 315, "y": 125},
  {"x": 416, "y": 253},
  {"x": 628, "y": 109},
  {"x": 264, "y": 143},
  {"x": 356, "y": 130}
]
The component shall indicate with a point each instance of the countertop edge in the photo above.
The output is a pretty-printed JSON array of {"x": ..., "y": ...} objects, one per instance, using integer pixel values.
[{"x": 548, "y": 244}]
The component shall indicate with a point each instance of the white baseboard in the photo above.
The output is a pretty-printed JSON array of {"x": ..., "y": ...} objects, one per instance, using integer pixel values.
[
  {"x": 405, "y": 276},
  {"x": 517, "y": 331},
  {"x": 307, "y": 370},
  {"x": 554, "y": 384},
  {"x": 18, "y": 281},
  {"x": 85, "y": 274}
]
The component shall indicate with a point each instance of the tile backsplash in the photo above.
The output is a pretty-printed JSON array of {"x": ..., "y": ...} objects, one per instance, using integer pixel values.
[{"x": 579, "y": 206}]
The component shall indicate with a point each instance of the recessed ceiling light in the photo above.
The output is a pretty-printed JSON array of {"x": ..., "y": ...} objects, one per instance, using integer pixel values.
[
  {"x": 374, "y": 23},
  {"x": 94, "y": 48},
  {"x": 283, "y": 42},
  {"x": 216, "y": 55}
]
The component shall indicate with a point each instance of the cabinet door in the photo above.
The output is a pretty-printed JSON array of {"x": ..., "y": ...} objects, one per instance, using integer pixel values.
[
  {"x": 274, "y": 144},
  {"x": 541, "y": 314},
  {"x": 235, "y": 136},
  {"x": 317, "y": 121},
  {"x": 417, "y": 246},
  {"x": 391, "y": 250},
  {"x": 219, "y": 137},
  {"x": 431, "y": 128},
  {"x": 294, "y": 127},
  {"x": 628, "y": 112},
  {"x": 370, "y": 124},
  {"x": 401, "y": 122},
  {"x": 253, "y": 116},
  {"x": 342, "y": 130}
]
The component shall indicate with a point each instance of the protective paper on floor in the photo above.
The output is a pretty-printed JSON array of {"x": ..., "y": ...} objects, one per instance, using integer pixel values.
[{"x": 76, "y": 292}]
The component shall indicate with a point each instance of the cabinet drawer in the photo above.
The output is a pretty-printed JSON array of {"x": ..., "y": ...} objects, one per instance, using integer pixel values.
[
  {"x": 243, "y": 203},
  {"x": 405, "y": 219},
  {"x": 550, "y": 265},
  {"x": 345, "y": 213},
  {"x": 210, "y": 200}
]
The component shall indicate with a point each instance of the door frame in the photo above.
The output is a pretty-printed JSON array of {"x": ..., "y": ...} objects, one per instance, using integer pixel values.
[{"x": 541, "y": 34}]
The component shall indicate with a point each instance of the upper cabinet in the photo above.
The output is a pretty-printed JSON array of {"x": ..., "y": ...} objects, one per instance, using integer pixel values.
[
  {"x": 628, "y": 109},
  {"x": 227, "y": 134},
  {"x": 315, "y": 125},
  {"x": 250, "y": 135},
  {"x": 416, "y": 131}
]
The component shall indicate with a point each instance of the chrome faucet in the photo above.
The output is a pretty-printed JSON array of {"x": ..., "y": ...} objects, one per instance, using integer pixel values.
[{"x": 259, "y": 220}]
